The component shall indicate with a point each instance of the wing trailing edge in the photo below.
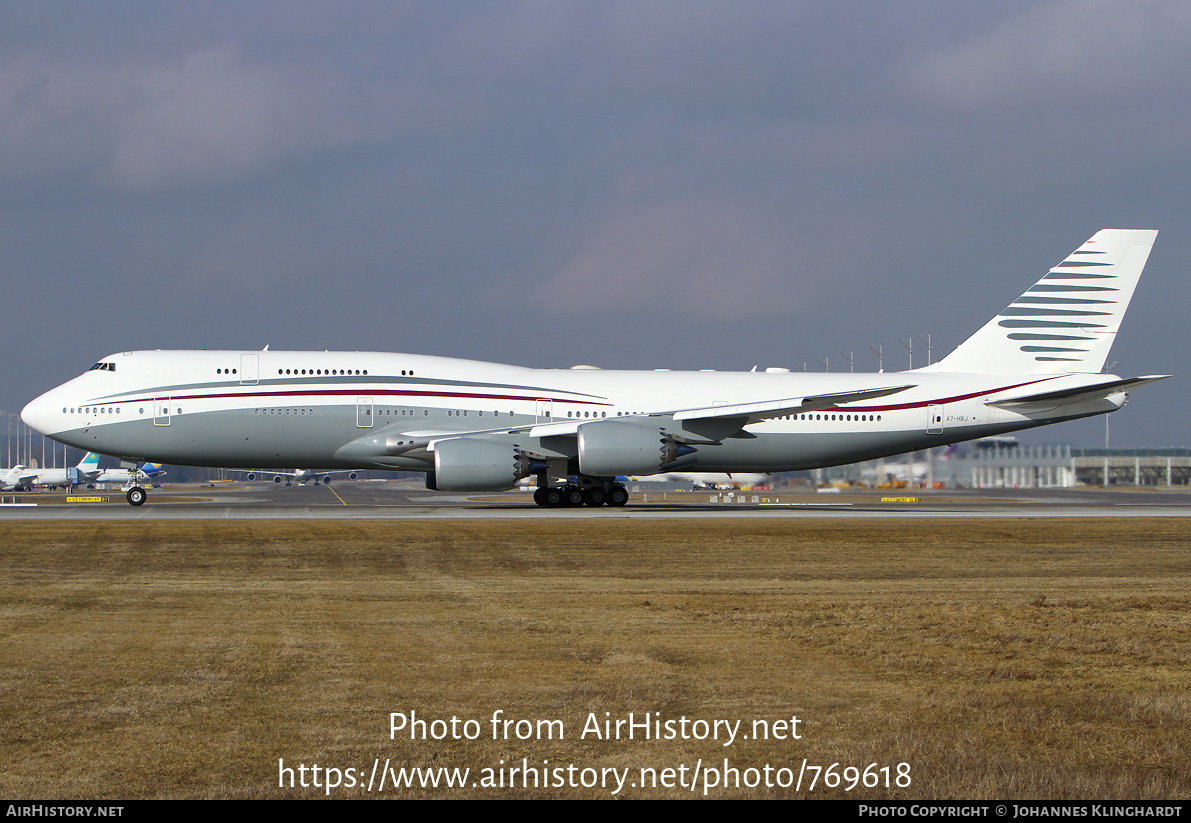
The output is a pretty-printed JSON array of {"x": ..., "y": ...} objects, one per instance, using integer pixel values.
[
  {"x": 756, "y": 412},
  {"x": 724, "y": 418}
]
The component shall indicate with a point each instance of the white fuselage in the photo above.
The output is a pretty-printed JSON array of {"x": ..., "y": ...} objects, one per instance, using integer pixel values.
[
  {"x": 360, "y": 409},
  {"x": 22, "y": 477}
]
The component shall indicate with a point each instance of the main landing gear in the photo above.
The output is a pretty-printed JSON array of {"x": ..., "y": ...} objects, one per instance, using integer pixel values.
[
  {"x": 136, "y": 496},
  {"x": 556, "y": 497}
]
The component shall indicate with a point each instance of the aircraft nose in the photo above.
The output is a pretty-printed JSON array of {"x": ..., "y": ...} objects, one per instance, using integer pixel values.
[{"x": 35, "y": 415}]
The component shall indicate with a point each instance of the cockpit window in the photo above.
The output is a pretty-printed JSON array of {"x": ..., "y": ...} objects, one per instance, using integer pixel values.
[{"x": 103, "y": 367}]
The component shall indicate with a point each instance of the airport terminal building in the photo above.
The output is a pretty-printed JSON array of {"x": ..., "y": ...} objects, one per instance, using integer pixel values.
[
  {"x": 1002, "y": 462},
  {"x": 1063, "y": 466}
]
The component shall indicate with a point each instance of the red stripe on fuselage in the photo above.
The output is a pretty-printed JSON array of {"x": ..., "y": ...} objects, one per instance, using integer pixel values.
[
  {"x": 349, "y": 393},
  {"x": 944, "y": 400},
  {"x": 477, "y": 396}
]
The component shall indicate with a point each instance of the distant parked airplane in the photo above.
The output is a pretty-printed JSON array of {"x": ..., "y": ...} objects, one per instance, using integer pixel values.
[
  {"x": 24, "y": 478},
  {"x": 303, "y": 476},
  {"x": 715, "y": 480},
  {"x": 149, "y": 471}
]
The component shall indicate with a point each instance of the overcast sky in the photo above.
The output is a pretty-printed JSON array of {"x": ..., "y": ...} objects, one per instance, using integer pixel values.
[{"x": 632, "y": 185}]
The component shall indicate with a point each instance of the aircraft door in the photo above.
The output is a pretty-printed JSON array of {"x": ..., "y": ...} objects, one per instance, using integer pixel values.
[
  {"x": 934, "y": 419},
  {"x": 363, "y": 412},
  {"x": 161, "y": 411},
  {"x": 249, "y": 368},
  {"x": 545, "y": 411}
]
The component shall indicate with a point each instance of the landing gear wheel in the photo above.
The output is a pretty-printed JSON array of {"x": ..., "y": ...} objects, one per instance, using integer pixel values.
[
  {"x": 594, "y": 496},
  {"x": 617, "y": 496},
  {"x": 539, "y": 496},
  {"x": 136, "y": 496},
  {"x": 553, "y": 497},
  {"x": 573, "y": 496}
]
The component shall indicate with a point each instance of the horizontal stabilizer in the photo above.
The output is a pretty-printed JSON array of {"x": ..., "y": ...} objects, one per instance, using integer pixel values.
[{"x": 1077, "y": 393}]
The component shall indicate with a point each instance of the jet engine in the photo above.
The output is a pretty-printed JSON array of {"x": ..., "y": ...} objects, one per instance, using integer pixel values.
[
  {"x": 615, "y": 447},
  {"x": 477, "y": 464}
]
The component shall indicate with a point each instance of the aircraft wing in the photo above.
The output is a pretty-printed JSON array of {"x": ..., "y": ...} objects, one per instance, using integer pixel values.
[
  {"x": 735, "y": 416},
  {"x": 709, "y": 422},
  {"x": 1077, "y": 393},
  {"x": 739, "y": 415},
  {"x": 756, "y": 412}
]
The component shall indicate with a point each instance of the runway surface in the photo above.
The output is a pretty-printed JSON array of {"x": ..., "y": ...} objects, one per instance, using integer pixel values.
[{"x": 401, "y": 499}]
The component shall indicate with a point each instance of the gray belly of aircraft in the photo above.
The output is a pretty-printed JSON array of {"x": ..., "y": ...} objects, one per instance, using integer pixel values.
[{"x": 245, "y": 439}]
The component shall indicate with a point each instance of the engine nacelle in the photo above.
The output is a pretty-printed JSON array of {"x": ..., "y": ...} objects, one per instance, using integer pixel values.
[
  {"x": 465, "y": 464},
  {"x": 327, "y": 479},
  {"x": 277, "y": 478},
  {"x": 353, "y": 476},
  {"x": 250, "y": 476},
  {"x": 616, "y": 447}
]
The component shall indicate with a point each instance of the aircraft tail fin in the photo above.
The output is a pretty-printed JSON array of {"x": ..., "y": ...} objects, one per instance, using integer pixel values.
[
  {"x": 89, "y": 463},
  {"x": 1067, "y": 321}
]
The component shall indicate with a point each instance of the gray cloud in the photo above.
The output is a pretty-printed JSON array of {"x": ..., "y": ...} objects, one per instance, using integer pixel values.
[
  {"x": 206, "y": 120},
  {"x": 696, "y": 258},
  {"x": 1076, "y": 51}
]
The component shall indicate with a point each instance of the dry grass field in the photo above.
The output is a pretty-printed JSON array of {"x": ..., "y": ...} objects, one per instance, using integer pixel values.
[{"x": 999, "y": 659}]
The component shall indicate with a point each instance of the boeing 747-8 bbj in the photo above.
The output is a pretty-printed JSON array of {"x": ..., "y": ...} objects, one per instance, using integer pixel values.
[{"x": 474, "y": 426}]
